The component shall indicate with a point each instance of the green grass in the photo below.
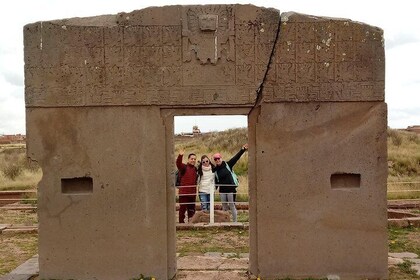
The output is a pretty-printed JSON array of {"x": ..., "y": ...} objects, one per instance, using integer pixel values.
[
  {"x": 405, "y": 267},
  {"x": 404, "y": 240},
  {"x": 243, "y": 216}
]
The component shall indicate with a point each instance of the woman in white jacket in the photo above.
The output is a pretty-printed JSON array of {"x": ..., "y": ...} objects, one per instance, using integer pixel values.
[{"x": 205, "y": 182}]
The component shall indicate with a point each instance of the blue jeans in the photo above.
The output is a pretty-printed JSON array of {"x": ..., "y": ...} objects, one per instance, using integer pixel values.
[{"x": 205, "y": 201}]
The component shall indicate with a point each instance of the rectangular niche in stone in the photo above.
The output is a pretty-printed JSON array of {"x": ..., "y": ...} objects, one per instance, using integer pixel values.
[
  {"x": 81, "y": 185},
  {"x": 345, "y": 181}
]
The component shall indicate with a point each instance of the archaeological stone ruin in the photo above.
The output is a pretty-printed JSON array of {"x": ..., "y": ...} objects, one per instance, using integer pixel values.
[{"x": 101, "y": 94}]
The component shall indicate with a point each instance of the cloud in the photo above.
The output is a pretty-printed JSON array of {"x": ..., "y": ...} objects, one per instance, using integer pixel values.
[
  {"x": 12, "y": 112},
  {"x": 15, "y": 79},
  {"x": 402, "y": 89},
  {"x": 401, "y": 39},
  {"x": 404, "y": 118},
  {"x": 402, "y": 78}
]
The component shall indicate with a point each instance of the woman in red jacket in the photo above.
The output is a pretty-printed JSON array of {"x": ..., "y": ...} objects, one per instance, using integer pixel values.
[{"x": 188, "y": 186}]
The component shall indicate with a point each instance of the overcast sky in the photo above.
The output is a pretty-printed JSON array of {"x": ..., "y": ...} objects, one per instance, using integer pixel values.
[{"x": 398, "y": 19}]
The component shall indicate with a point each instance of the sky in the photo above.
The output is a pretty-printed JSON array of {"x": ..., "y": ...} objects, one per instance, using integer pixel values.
[{"x": 396, "y": 18}]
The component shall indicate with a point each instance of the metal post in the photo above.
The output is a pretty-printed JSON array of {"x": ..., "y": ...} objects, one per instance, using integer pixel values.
[{"x": 212, "y": 205}]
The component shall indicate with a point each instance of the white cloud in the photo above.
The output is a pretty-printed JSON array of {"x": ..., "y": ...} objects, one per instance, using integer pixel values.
[{"x": 12, "y": 109}]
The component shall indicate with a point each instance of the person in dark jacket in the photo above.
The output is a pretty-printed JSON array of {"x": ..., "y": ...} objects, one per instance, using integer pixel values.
[
  {"x": 225, "y": 181},
  {"x": 188, "y": 186}
]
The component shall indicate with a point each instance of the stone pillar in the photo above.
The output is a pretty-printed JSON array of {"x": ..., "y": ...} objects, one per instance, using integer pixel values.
[
  {"x": 321, "y": 191},
  {"x": 102, "y": 200}
]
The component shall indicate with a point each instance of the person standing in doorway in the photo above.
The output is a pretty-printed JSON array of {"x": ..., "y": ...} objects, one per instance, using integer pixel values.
[
  {"x": 225, "y": 180},
  {"x": 205, "y": 182},
  {"x": 188, "y": 188}
]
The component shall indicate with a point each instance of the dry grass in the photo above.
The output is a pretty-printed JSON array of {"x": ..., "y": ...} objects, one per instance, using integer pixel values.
[
  {"x": 26, "y": 181},
  {"x": 18, "y": 217},
  {"x": 15, "y": 249},
  {"x": 403, "y": 155},
  {"x": 13, "y": 158},
  {"x": 403, "y": 165},
  {"x": 404, "y": 190}
]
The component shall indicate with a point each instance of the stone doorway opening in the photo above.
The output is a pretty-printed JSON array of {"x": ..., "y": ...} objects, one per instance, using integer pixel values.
[{"x": 209, "y": 237}]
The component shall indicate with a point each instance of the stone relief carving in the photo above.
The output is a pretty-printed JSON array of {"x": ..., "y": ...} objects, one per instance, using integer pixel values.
[{"x": 207, "y": 32}]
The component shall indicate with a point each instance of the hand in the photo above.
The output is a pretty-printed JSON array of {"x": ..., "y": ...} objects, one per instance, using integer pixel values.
[
  {"x": 181, "y": 152},
  {"x": 245, "y": 147}
]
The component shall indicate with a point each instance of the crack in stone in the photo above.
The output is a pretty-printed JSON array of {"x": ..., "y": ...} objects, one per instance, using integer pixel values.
[
  {"x": 58, "y": 214},
  {"x": 261, "y": 87}
]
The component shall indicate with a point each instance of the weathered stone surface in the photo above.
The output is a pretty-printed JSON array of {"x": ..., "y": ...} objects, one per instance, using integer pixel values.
[
  {"x": 416, "y": 267},
  {"x": 3, "y": 227},
  {"x": 160, "y": 59},
  {"x": 234, "y": 263},
  {"x": 326, "y": 59},
  {"x": 315, "y": 221},
  {"x": 118, "y": 216},
  {"x": 398, "y": 214},
  {"x": 401, "y": 223},
  {"x": 101, "y": 94},
  {"x": 24, "y": 271},
  {"x": 404, "y": 255},
  {"x": 392, "y": 261},
  {"x": 199, "y": 263},
  {"x": 212, "y": 275},
  {"x": 416, "y": 261},
  {"x": 414, "y": 222}
]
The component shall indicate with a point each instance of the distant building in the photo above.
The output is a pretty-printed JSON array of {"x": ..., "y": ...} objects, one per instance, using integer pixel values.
[
  {"x": 195, "y": 132},
  {"x": 414, "y": 128},
  {"x": 13, "y": 139}
]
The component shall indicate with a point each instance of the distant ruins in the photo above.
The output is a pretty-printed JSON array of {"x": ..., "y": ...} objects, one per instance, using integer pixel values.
[
  {"x": 414, "y": 128},
  {"x": 101, "y": 95},
  {"x": 12, "y": 139},
  {"x": 195, "y": 132}
]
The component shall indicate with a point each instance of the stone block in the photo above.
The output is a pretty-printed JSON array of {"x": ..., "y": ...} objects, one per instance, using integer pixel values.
[{"x": 203, "y": 217}]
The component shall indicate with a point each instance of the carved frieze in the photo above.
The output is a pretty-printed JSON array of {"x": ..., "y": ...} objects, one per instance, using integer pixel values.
[{"x": 212, "y": 48}]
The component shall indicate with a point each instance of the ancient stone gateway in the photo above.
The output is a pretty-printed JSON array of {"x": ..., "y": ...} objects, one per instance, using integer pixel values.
[{"x": 101, "y": 94}]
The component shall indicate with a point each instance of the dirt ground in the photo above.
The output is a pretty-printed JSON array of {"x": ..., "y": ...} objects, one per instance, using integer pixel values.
[{"x": 213, "y": 240}]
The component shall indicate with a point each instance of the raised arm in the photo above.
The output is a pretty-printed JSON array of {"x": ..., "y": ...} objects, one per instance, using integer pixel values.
[
  {"x": 238, "y": 155},
  {"x": 179, "y": 164}
]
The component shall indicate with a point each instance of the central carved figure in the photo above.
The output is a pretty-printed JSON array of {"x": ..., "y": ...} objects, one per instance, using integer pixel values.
[{"x": 208, "y": 33}]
